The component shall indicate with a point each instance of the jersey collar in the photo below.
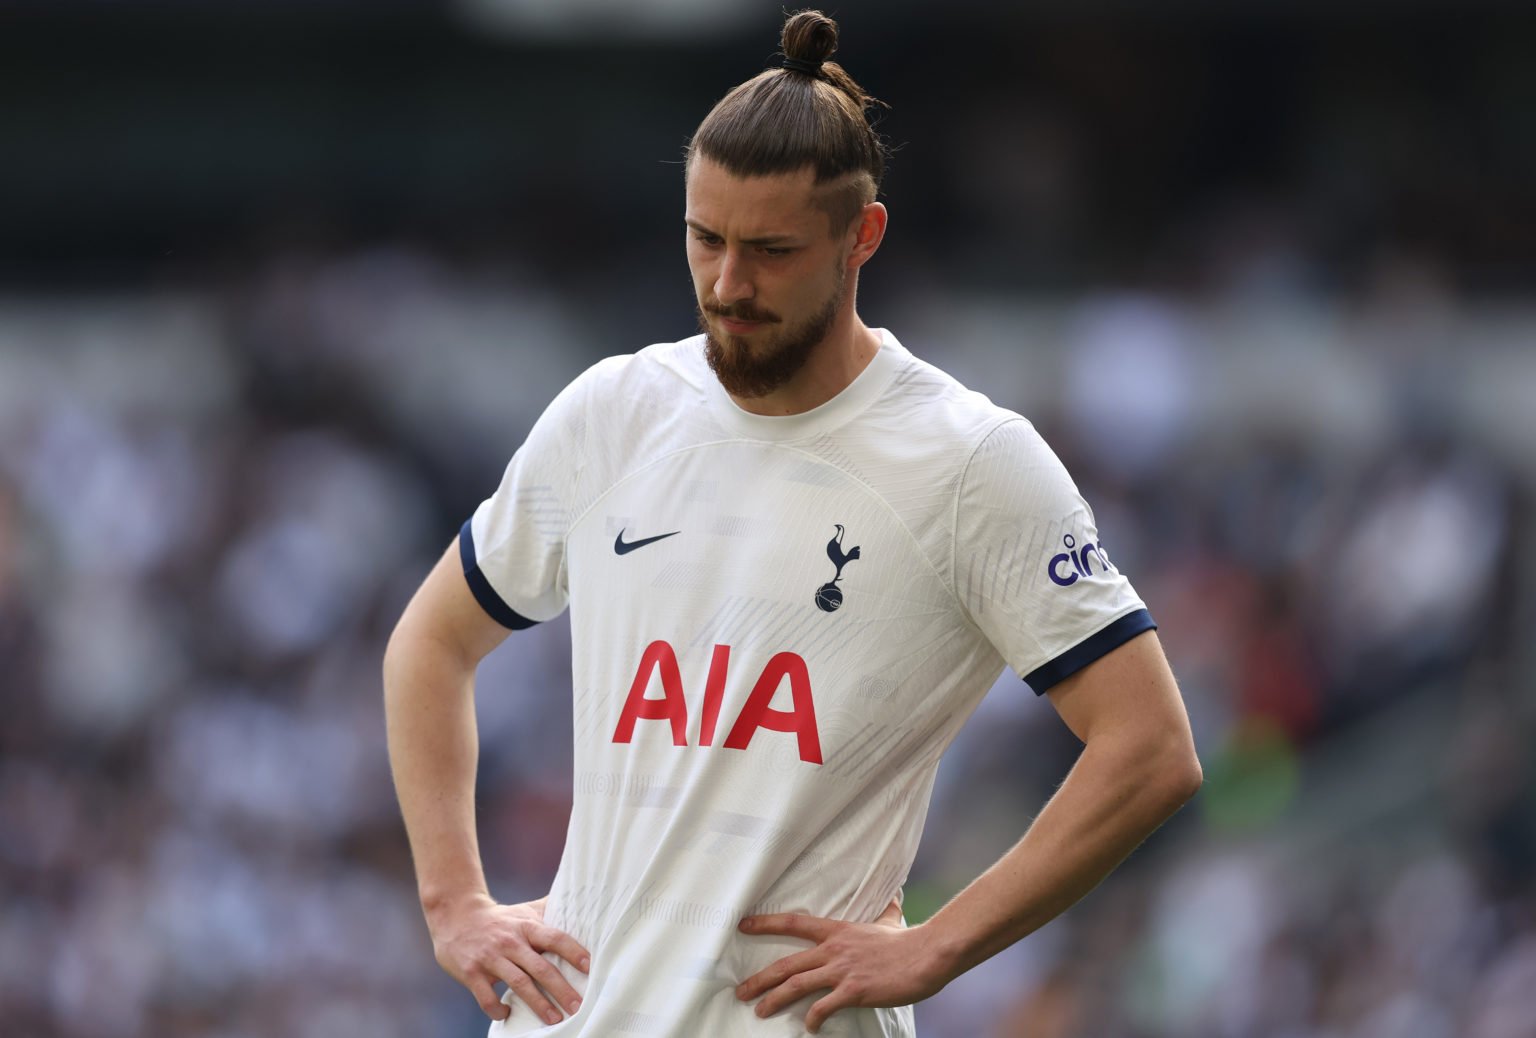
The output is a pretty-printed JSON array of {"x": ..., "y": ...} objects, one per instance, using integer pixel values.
[{"x": 854, "y": 399}]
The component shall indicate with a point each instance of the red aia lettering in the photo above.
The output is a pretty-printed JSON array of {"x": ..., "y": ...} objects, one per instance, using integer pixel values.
[
  {"x": 714, "y": 691},
  {"x": 758, "y": 714},
  {"x": 659, "y": 658}
]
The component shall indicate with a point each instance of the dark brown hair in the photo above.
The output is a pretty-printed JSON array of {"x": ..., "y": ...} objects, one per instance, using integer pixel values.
[{"x": 811, "y": 114}]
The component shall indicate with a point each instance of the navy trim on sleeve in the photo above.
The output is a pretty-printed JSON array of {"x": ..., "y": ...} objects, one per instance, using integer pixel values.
[
  {"x": 486, "y": 595},
  {"x": 1091, "y": 648}
]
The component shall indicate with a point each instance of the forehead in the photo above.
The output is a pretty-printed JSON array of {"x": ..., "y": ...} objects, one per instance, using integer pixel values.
[{"x": 777, "y": 203}]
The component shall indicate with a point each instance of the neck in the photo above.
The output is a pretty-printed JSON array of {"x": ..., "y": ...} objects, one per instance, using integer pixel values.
[{"x": 832, "y": 366}]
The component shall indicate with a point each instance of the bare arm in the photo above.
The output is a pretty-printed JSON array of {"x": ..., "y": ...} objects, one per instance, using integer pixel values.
[
  {"x": 429, "y": 671},
  {"x": 1138, "y": 766}
]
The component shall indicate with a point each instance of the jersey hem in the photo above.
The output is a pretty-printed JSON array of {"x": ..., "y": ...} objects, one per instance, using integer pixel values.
[
  {"x": 1095, "y": 646},
  {"x": 480, "y": 587}
]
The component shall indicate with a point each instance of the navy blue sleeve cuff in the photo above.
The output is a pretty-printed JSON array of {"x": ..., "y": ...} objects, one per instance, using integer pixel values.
[
  {"x": 1091, "y": 648},
  {"x": 481, "y": 588}
]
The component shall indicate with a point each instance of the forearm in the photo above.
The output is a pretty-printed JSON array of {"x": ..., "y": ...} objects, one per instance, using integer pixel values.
[
  {"x": 433, "y": 751},
  {"x": 1117, "y": 794}
]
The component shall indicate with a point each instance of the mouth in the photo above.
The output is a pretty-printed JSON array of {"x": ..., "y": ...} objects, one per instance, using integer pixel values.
[{"x": 737, "y": 327}]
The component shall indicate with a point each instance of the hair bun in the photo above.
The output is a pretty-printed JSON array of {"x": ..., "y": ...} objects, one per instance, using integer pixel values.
[{"x": 809, "y": 38}]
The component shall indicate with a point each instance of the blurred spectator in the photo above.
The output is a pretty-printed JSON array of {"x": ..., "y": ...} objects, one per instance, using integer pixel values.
[
  {"x": 1265, "y": 284},
  {"x": 196, "y": 822}
]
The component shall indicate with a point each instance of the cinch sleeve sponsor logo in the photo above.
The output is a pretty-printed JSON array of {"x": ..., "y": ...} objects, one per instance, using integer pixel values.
[{"x": 1074, "y": 564}]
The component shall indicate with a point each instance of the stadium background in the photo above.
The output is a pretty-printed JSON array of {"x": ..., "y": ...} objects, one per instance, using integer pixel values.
[{"x": 283, "y": 284}]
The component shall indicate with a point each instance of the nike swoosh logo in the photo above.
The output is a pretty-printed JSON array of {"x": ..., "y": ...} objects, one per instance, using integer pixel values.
[{"x": 621, "y": 547}]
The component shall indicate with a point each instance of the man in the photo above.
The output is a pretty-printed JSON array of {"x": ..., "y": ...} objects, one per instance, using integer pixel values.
[{"x": 796, "y": 557}]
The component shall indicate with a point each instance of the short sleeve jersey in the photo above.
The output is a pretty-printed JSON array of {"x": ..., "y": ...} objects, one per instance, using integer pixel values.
[{"x": 778, "y": 625}]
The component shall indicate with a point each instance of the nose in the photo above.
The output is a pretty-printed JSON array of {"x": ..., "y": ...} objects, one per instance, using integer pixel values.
[{"x": 734, "y": 282}]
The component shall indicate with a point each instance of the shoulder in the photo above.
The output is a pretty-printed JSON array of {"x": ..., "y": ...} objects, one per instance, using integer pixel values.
[
  {"x": 635, "y": 407},
  {"x": 667, "y": 368},
  {"x": 914, "y": 447},
  {"x": 952, "y": 420},
  {"x": 622, "y": 407}
]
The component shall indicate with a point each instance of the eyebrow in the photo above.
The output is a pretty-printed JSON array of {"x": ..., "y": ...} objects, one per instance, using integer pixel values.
[{"x": 768, "y": 239}]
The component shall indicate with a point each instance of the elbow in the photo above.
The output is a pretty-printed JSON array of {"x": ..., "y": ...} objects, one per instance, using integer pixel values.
[
  {"x": 1182, "y": 776},
  {"x": 1166, "y": 772},
  {"x": 394, "y": 655},
  {"x": 407, "y": 654},
  {"x": 1193, "y": 778}
]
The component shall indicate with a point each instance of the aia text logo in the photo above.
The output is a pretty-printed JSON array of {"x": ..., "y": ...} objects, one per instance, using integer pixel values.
[
  {"x": 660, "y": 659},
  {"x": 1069, "y": 566}
]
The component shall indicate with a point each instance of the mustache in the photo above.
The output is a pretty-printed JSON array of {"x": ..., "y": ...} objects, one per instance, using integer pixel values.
[{"x": 741, "y": 312}]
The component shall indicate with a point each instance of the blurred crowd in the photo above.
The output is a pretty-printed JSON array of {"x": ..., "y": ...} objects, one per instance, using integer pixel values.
[
  {"x": 213, "y": 506},
  {"x": 291, "y": 281}
]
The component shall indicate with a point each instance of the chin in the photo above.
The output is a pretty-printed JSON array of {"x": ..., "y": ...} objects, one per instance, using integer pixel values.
[{"x": 739, "y": 345}]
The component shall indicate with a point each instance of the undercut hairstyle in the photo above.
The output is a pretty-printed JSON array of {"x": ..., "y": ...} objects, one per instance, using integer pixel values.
[{"x": 808, "y": 113}]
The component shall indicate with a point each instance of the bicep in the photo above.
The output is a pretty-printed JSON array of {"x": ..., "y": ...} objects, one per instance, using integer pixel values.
[
  {"x": 1129, "y": 691},
  {"x": 446, "y": 612}
]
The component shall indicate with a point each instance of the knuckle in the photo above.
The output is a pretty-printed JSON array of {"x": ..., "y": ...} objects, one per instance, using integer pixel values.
[
  {"x": 538, "y": 967},
  {"x": 549, "y": 978},
  {"x": 528, "y": 992}
]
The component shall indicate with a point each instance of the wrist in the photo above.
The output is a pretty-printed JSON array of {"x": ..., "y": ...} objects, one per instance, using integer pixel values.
[
  {"x": 943, "y": 954},
  {"x": 437, "y": 904}
]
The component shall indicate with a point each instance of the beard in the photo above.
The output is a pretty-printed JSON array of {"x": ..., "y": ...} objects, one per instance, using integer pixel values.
[{"x": 750, "y": 372}]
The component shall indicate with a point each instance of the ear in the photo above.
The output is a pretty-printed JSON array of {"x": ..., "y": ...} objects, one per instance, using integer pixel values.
[{"x": 868, "y": 232}]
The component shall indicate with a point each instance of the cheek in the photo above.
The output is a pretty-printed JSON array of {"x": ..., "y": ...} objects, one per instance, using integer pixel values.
[{"x": 814, "y": 283}]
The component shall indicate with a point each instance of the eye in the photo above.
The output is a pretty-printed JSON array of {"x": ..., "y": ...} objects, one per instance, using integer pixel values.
[
  {"x": 706, "y": 239},
  {"x": 773, "y": 250}
]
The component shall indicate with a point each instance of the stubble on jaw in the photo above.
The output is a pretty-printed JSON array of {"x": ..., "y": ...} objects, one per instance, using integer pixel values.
[{"x": 751, "y": 373}]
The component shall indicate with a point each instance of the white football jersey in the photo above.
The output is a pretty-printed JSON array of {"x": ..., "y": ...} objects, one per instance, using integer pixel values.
[{"x": 779, "y": 624}]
